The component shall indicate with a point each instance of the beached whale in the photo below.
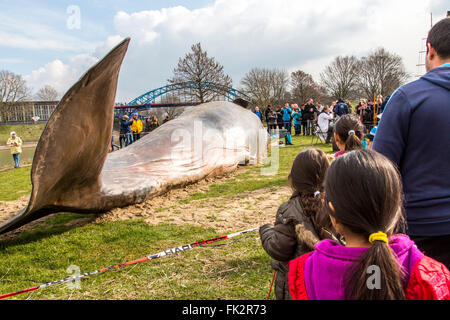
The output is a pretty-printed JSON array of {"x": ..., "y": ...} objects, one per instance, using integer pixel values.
[{"x": 73, "y": 172}]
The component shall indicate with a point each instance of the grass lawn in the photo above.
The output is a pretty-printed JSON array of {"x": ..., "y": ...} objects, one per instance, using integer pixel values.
[
  {"x": 28, "y": 132},
  {"x": 15, "y": 183},
  {"x": 233, "y": 269}
]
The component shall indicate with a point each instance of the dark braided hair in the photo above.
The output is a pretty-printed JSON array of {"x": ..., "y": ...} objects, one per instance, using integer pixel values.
[{"x": 306, "y": 179}]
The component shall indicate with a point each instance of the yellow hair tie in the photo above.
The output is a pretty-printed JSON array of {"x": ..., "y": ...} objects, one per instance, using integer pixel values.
[{"x": 379, "y": 236}]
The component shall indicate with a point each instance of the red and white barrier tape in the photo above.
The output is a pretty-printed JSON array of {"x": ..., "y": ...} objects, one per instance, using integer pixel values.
[{"x": 117, "y": 266}]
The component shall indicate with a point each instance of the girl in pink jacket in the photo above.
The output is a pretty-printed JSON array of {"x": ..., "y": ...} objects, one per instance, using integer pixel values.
[{"x": 363, "y": 196}]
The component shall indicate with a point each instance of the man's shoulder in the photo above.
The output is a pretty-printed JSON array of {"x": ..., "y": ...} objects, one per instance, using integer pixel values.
[
  {"x": 410, "y": 92},
  {"x": 413, "y": 86}
]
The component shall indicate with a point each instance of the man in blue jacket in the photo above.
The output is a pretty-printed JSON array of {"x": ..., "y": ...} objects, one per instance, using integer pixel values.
[
  {"x": 414, "y": 133},
  {"x": 383, "y": 105},
  {"x": 258, "y": 113},
  {"x": 125, "y": 131},
  {"x": 341, "y": 108}
]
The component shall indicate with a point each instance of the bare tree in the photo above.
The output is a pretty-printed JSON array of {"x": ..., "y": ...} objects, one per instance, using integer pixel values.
[
  {"x": 381, "y": 72},
  {"x": 304, "y": 87},
  {"x": 197, "y": 67},
  {"x": 266, "y": 86},
  {"x": 172, "y": 112},
  {"x": 322, "y": 95},
  {"x": 13, "y": 90},
  {"x": 340, "y": 77},
  {"x": 47, "y": 93},
  {"x": 161, "y": 113}
]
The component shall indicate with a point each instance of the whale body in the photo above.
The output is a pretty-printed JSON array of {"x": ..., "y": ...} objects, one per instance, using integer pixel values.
[{"x": 72, "y": 170}]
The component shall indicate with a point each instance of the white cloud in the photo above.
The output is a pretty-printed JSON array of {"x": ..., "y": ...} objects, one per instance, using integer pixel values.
[
  {"x": 287, "y": 34},
  {"x": 106, "y": 46},
  {"x": 59, "y": 75}
]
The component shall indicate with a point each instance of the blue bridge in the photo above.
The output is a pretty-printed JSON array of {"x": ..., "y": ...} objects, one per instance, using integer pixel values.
[{"x": 177, "y": 95}]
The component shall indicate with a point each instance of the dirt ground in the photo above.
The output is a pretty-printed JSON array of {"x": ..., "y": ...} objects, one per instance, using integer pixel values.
[
  {"x": 9, "y": 209},
  {"x": 225, "y": 214}
]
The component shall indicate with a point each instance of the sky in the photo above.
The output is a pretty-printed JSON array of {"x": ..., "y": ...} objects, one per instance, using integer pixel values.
[{"x": 53, "y": 42}]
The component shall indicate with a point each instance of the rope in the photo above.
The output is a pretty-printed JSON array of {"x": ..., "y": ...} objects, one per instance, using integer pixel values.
[{"x": 146, "y": 258}]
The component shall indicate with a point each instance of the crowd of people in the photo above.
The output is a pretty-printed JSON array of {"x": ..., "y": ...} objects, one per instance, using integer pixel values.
[
  {"x": 373, "y": 224},
  {"x": 313, "y": 118},
  {"x": 132, "y": 130}
]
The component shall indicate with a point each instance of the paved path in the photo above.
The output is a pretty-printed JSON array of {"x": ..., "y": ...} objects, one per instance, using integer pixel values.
[{"x": 24, "y": 145}]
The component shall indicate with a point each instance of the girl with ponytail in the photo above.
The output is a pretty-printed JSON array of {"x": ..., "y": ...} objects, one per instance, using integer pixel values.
[
  {"x": 363, "y": 197},
  {"x": 348, "y": 134},
  {"x": 300, "y": 222}
]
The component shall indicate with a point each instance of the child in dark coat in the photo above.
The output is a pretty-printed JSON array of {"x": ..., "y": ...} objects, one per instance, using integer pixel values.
[{"x": 299, "y": 223}]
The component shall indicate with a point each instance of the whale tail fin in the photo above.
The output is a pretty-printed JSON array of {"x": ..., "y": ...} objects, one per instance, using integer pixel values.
[{"x": 74, "y": 144}]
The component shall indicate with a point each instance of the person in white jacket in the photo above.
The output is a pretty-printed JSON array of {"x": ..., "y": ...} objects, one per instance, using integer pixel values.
[{"x": 324, "y": 124}]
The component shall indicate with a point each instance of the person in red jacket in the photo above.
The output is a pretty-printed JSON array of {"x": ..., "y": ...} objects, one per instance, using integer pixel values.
[{"x": 363, "y": 196}]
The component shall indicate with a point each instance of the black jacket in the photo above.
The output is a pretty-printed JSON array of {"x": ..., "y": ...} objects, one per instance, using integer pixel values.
[
  {"x": 366, "y": 114},
  {"x": 307, "y": 113},
  {"x": 293, "y": 235},
  {"x": 272, "y": 118},
  {"x": 279, "y": 116},
  {"x": 266, "y": 114}
]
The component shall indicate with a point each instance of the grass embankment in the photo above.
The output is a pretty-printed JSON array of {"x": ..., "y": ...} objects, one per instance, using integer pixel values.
[
  {"x": 233, "y": 270},
  {"x": 28, "y": 132},
  {"x": 15, "y": 184}
]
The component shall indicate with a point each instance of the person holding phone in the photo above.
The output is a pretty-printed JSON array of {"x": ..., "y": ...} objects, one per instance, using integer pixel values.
[{"x": 15, "y": 143}]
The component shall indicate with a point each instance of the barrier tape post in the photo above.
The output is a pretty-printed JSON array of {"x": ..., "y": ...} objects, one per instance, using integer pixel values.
[{"x": 117, "y": 266}]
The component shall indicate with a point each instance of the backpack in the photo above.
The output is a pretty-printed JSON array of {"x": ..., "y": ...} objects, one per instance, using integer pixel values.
[
  {"x": 341, "y": 109},
  {"x": 287, "y": 139}
]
